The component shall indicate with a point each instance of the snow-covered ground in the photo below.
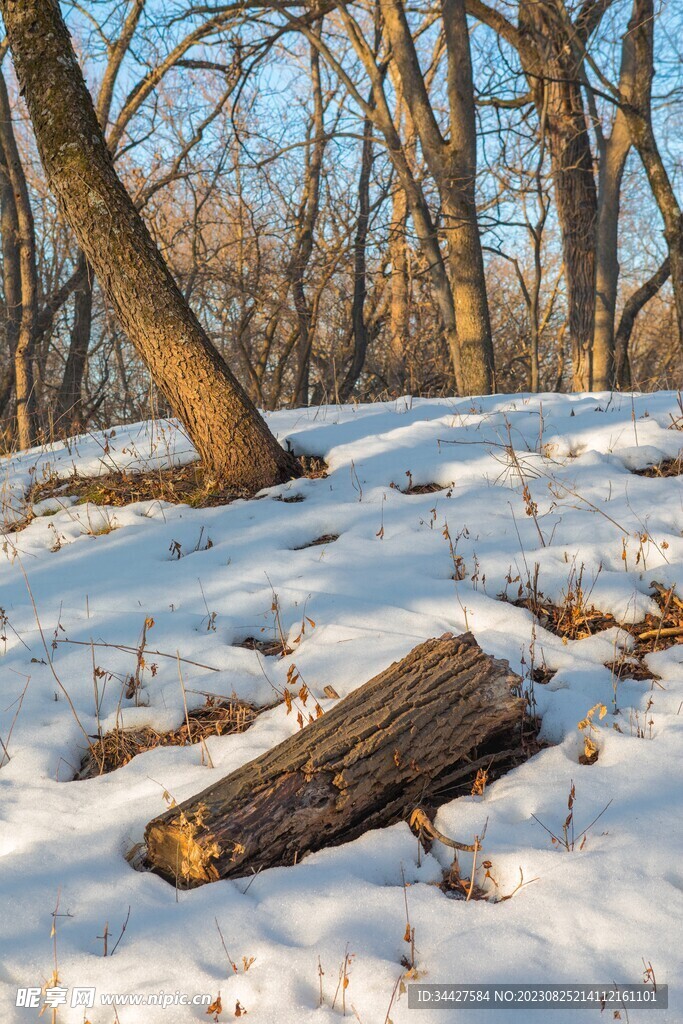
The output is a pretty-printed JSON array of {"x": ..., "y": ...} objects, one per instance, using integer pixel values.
[{"x": 95, "y": 574}]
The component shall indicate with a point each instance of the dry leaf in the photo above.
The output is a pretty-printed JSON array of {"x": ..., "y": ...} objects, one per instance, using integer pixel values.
[{"x": 216, "y": 1005}]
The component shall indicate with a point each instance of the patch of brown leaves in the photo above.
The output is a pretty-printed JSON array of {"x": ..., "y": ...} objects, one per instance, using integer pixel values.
[
  {"x": 214, "y": 718},
  {"x": 185, "y": 485},
  {"x": 655, "y": 632},
  {"x": 670, "y": 467}
]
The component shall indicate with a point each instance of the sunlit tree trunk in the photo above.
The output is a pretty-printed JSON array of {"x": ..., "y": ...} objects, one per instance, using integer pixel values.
[
  {"x": 230, "y": 436},
  {"x": 452, "y": 164},
  {"x": 24, "y": 349},
  {"x": 613, "y": 154},
  {"x": 553, "y": 69},
  {"x": 399, "y": 290},
  {"x": 638, "y": 112}
]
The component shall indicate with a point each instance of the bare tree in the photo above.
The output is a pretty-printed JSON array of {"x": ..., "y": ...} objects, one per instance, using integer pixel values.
[
  {"x": 637, "y": 109},
  {"x": 230, "y": 436},
  {"x": 25, "y": 239},
  {"x": 550, "y": 49}
]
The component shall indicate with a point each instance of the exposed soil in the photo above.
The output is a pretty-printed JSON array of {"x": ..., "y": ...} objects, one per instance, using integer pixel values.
[
  {"x": 421, "y": 488},
  {"x": 268, "y": 648},
  {"x": 326, "y": 538}
]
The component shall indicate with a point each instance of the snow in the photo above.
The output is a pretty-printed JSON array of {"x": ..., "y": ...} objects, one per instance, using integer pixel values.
[{"x": 95, "y": 575}]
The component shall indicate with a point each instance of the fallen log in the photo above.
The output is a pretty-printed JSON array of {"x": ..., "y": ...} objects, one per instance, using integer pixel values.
[{"x": 392, "y": 744}]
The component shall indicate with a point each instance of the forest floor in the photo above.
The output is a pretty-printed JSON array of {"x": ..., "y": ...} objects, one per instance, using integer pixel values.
[{"x": 160, "y": 624}]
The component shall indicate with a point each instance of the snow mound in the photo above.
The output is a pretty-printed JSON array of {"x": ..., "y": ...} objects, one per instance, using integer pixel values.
[{"x": 529, "y": 492}]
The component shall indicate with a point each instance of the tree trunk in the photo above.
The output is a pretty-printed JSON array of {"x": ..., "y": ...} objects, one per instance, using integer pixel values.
[
  {"x": 24, "y": 385},
  {"x": 457, "y": 188},
  {"x": 399, "y": 291},
  {"x": 632, "y": 307},
  {"x": 552, "y": 67},
  {"x": 306, "y": 222},
  {"x": 452, "y": 164},
  {"x": 613, "y": 154},
  {"x": 408, "y": 734},
  {"x": 361, "y": 334},
  {"x": 230, "y": 436},
  {"x": 638, "y": 113},
  {"x": 11, "y": 275},
  {"x": 607, "y": 264},
  {"x": 68, "y": 416}
]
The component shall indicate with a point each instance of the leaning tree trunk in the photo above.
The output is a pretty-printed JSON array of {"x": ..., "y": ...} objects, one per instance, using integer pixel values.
[
  {"x": 632, "y": 307},
  {"x": 412, "y": 732},
  {"x": 638, "y": 115},
  {"x": 230, "y": 436}
]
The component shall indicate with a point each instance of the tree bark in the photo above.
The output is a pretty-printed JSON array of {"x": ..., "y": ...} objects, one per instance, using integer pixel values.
[
  {"x": 69, "y": 406},
  {"x": 638, "y": 112},
  {"x": 452, "y": 164},
  {"x": 398, "y": 740},
  {"x": 632, "y": 307},
  {"x": 11, "y": 275},
  {"x": 361, "y": 334},
  {"x": 306, "y": 222},
  {"x": 399, "y": 290},
  {"x": 552, "y": 66},
  {"x": 607, "y": 264},
  {"x": 230, "y": 436},
  {"x": 418, "y": 204},
  {"x": 24, "y": 350},
  {"x": 613, "y": 154}
]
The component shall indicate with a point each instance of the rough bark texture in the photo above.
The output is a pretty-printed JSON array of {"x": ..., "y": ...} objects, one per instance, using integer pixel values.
[
  {"x": 457, "y": 188},
  {"x": 452, "y": 164},
  {"x": 388, "y": 746},
  {"x": 552, "y": 66},
  {"x": 9, "y": 230},
  {"x": 232, "y": 439}
]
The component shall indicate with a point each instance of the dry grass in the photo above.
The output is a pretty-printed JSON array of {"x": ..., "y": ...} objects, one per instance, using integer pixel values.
[
  {"x": 214, "y": 718},
  {"x": 670, "y": 467},
  {"x": 574, "y": 620},
  {"x": 178, "y": 485},
  {"x": 568, "y": 621}
]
